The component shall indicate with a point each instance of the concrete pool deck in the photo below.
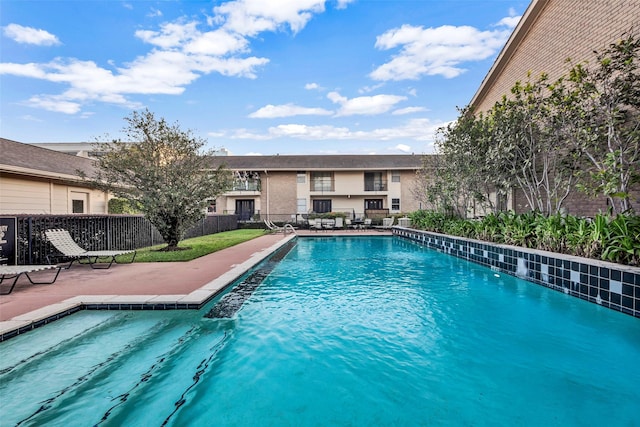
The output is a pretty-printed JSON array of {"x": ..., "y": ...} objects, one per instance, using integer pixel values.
[{"x": 186, "y": 283}]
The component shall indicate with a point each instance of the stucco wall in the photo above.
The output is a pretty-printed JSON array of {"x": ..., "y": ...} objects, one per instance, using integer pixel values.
[{"x": 23, "y": 195}]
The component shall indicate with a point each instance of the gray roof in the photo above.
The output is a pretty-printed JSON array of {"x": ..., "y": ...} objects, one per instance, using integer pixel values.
[
  {"x": 320, "y": 162},
  {"x": 16, "y": 157}
]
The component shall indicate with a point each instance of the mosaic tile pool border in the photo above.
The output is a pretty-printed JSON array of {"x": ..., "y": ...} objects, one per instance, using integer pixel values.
[{"x": 610, "y": 285}]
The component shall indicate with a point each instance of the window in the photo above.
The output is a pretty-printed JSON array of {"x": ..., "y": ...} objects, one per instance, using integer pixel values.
[
  {"x": 395, "y": 176},
  {"x": 302, "y": 206},
  {"x": 374, "y": 181},
  {"x": 322, "y": 206},
  {"x": 302, "y": 177},
  {"x": 372, "y": 204},
  {"x": 395, "y": 204},
  {"x": 79, "y": 202},
  {"x": 501, "y": 202},
  {"x": 77, "y": 206},
  {"x": 212, "y": 208},
  {"x": 321, "y": 181}
]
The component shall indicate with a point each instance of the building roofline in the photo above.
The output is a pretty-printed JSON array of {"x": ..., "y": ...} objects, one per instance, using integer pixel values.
[{"x": 522, "y": 29}]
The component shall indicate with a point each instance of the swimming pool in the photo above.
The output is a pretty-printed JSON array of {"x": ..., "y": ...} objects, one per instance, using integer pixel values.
[{"x": 344, "y": 331}]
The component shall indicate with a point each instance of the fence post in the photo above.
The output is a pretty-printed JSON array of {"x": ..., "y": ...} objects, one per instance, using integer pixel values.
[{"x": 30, "y": 236}]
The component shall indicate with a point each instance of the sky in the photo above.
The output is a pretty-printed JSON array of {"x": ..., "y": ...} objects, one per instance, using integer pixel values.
[{"x": 255, "y": 77}]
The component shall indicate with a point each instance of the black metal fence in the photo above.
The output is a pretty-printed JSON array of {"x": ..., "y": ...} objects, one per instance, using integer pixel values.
[{"x": 101, "y": 232}]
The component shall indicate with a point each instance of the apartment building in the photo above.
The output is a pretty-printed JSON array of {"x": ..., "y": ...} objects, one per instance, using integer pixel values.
[
  {"x": 285, "y": 188},
  {"x": 35, "y": 181}
]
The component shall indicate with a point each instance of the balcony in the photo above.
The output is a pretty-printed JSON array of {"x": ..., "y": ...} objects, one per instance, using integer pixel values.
[
  {"x": 377, "y": 185},
  {"x": 246, "y": 185},
  {"x": 322, "y": 186}
]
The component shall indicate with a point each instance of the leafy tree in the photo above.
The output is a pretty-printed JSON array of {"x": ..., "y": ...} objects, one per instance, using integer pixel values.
[
  {"x": 464, "y": 170},
  {"x": 118, "y": 205},
  {"x": 606, "y": 103},
  {"x": 529, "y": 145},
  {"x": 161, "y": 169}
]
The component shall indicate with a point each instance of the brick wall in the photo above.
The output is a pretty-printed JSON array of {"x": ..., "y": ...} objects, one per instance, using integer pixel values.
[
  {"x": 564, "y": 29},
  {"x": 281, "y": 193}
]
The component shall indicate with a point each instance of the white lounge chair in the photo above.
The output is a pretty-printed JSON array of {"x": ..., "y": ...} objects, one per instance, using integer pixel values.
[
  {"x": 271, "y": 226},
  {"x": 387, "y": 223},
  {"x": 8, "y": 272},
  {"x": 316, "y": 225},
  {"x": 339, "y": 224},
  {"x": 62, "y": 241},
  {"x": 328, "y": 224}
]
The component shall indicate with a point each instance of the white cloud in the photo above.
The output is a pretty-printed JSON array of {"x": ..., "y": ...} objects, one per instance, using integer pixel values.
[
  {"x": 55, "y": 104},
  {"x": 182, "y": 52},
  {"x": 182, "y": 55},
  {"x": 29, "y": 35},
  {"x": 435, "y": 51},
  {"x": 369, "y": 89},
  {"x": 509, "y": 22},
  {"x": 287, "y": 110},
  {"x": 154, "y": 13},
  {"x": 171, "y": 34},
  {"x": 365, "y": 105},
  {"x": 403, "y": 147},
  {"x": 312, "y": 86},
  {"x": 343, "y": 3},
  {"x": 250, "y": 17},
  {"x": 423, "y": 130},
  {"x": 408, "y": 110}
]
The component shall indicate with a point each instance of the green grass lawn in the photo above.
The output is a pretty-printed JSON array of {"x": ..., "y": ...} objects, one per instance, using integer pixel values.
[{"x": 199, "y": 246}]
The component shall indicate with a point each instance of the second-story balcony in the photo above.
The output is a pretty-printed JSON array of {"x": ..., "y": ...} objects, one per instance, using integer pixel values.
[
  {"x": 375, "y": 185},
  {"x": 246, "y": 185}
]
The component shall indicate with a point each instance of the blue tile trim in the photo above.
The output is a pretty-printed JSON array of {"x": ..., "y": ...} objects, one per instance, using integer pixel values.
[{"x": 610, "y": 285}]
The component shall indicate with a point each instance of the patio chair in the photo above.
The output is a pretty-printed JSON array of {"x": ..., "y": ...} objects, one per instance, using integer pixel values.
[
  {"x": 271, "y": 226},
  {"x": 367, "y": 223},
  {"x": 328, "y": 224},
  {"x": 387, "y": 223},
  {"x": 8, "y": 272},
  {"x": 62, "y": 241},
  {"x": 339, "y": 224},
  {"x": 317, "y": 224}
]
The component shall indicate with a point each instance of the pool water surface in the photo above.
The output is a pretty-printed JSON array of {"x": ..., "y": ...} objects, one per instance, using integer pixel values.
[{"x": 344, "y": 331}]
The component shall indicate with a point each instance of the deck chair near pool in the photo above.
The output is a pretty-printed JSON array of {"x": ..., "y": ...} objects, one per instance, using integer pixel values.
[
  {"x": 276, "y": 229},
  {"x": 62, "y": 241},
  {"x": 8, "y": 272},
  {"x": 387, "y": 223},
  {"x": 316, "y": 225}
]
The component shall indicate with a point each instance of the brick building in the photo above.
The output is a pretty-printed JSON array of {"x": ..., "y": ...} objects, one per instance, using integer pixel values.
[
  {"x": 288, "y": 188},
  {"x": 549, "y": 33}
]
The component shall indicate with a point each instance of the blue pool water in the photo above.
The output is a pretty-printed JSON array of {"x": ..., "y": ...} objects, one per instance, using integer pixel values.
[{"x": 343, "y": 332}]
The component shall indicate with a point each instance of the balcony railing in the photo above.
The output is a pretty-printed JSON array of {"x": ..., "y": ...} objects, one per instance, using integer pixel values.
[
  {"x": 375, "y": 185},
  {"x": 322, "y": 185},
  {"x": 247, "y": 185}
]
